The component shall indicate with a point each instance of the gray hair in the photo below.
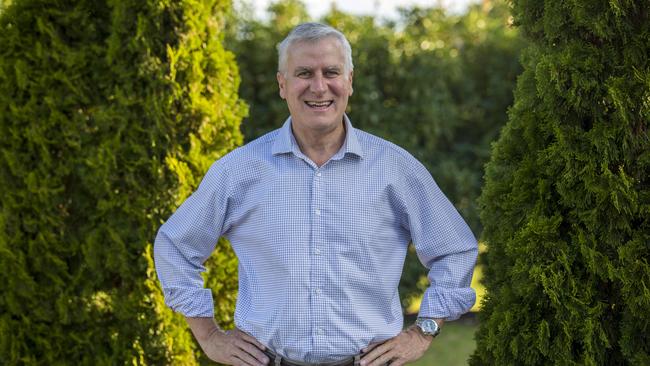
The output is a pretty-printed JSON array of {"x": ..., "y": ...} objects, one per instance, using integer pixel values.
[{"x": 313, "y": 32}]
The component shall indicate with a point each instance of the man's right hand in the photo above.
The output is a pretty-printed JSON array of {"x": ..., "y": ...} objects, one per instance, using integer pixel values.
[{"x": 233, "y": 347}]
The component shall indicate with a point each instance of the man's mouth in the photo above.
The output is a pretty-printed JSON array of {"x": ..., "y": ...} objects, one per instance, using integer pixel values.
[{"x": 323, "y": 104}]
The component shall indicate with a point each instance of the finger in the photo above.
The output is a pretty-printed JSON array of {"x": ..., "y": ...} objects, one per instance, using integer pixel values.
[
  {"x": 371, "y": 346},
  {"x": 383, "y": 360},
  {"x": 250, "y": 339},
  {"x": 237, "y": 362},
  {"x": 378, "y": 351},
  {"x": 255, "y": 352},
  {"x": 245, "y": 359}
]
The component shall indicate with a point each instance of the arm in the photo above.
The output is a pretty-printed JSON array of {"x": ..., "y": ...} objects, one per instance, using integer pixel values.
[
  {"x": 185, "y": 242},
  {"x": 181, "y": 247},
  {"x": 444, "y": 244},
  {"x": 447, "y": 247}
]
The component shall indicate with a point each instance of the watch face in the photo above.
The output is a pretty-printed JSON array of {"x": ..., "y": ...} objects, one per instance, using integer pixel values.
[{"x": 428, "y": 326}]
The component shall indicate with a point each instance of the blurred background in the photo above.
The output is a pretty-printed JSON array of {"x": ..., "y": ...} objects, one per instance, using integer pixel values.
[{"x": 111, "y": 112}]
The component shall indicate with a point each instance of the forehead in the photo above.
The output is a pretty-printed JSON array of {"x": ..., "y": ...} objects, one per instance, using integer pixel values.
[{"x": 327, "y": 51}]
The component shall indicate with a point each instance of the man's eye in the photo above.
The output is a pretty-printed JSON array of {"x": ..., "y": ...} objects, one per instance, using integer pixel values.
[
  {"x": 331, "y": 73},
  {"x": 303, "y": 74}
]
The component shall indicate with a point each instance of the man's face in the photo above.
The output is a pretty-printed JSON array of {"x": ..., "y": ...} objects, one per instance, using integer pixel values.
[{"x": 315, "y": 85}]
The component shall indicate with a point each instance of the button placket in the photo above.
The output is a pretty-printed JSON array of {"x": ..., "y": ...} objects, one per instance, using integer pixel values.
[{"x": 318, "y": 261}]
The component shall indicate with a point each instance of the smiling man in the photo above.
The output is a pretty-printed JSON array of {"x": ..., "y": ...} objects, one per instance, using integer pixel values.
[{"x": 320, "y": 216}]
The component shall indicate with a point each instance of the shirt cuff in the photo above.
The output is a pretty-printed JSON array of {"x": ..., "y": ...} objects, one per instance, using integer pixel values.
[
  {"x": 446, "y": 303},
  {"x": 193, "y": 303}
]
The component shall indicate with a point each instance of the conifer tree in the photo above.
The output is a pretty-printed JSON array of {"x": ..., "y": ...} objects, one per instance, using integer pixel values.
[
  {"x": 566, "y": 204},
  {"x": 110, "y": 113}
]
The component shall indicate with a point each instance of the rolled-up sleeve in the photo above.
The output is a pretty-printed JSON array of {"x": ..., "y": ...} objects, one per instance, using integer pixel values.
[
  {"x": 185, "y": 242},
  {"x": 444, "y": 244}
]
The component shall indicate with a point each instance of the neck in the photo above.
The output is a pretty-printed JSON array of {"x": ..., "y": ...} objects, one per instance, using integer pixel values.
[{"x": 320, "y": 145}]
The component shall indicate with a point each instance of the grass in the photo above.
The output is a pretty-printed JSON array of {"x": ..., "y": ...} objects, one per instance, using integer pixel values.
[{"x": 453, "y": 346}]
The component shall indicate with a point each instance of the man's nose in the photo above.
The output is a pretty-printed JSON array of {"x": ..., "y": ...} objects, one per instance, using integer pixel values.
[{"x": 318, "y": 84}]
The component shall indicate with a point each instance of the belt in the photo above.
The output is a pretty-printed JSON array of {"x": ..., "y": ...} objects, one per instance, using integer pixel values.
[{"x": 277, "y": 360}]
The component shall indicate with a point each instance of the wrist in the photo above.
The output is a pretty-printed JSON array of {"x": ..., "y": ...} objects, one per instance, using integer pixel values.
[
  {"x": 414, "y": 329},
  {"x": 203, "y": 328}
]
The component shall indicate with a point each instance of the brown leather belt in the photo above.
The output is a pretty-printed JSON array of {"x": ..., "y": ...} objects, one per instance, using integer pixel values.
[{"x": 277, "y": 360}]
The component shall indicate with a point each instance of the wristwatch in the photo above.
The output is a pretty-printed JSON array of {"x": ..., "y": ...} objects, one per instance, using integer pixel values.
[{"x": 428, "y": 326}]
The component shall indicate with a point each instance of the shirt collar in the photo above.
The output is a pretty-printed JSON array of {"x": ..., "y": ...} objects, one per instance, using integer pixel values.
[{"x": 285, "y": 142}]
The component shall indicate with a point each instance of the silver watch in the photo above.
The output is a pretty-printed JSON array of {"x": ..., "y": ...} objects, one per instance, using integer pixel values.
[{"x": 428, "y": 326}]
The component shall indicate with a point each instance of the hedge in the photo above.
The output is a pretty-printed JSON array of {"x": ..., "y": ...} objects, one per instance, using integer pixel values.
[
  {"x": 110, "y": 113},
  {"x": 566, "y": 203}
]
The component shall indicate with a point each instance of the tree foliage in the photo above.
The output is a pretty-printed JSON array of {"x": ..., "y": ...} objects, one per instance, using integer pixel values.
[
  {"x": 110, "y": 112},
  {"x": 566, "y": 205},
  {"x": 434, "y": 83}
]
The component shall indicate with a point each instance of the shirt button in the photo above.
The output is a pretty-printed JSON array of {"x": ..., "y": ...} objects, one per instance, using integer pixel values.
[
  {"x": 319, "y": 291},
  {"x": 318, "y": 174},
  {"x": 317, "y": 212},
  {"x": 320, "y": 331},
  {"x": 317, "y": 251}
]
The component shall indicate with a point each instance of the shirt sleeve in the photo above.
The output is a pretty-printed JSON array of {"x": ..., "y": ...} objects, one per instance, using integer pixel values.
[
  {"x": 444, "y": 244},
  {"x": 186, "y": 241}
]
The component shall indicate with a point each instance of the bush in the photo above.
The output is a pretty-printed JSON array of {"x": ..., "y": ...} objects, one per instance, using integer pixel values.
[
  {"x": 566, "y": 204},
  {"x": 110, "y": 113}
]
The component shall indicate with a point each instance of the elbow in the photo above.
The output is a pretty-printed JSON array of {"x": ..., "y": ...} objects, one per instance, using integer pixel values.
[
  {"x": 161, "y": 248},
  {"x": 474, "y": 252},
  {"x": 157, "y": 245}
]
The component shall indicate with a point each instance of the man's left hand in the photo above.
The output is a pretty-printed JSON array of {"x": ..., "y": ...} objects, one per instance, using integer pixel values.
[{"x": 406, "y": 347}]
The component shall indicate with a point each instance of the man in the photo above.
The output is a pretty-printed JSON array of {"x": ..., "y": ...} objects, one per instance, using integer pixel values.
[{"x": 319, "y": 215}]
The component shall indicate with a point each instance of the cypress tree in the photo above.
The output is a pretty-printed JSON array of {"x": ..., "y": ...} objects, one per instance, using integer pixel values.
[
  {"x": 110, "y": 113},
  {"x": 566, "y": 203}
]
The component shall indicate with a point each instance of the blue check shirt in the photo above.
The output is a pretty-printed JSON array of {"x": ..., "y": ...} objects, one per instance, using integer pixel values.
[{"x": 320, "y": 249}]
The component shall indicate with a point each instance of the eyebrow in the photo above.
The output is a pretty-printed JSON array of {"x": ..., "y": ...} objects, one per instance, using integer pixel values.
[
  {"x": 333, "y": 68},
  {"x": 300, "y": 69}
]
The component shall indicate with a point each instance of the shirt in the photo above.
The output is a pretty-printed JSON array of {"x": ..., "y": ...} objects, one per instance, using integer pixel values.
[{"x": 320, "y": 249}]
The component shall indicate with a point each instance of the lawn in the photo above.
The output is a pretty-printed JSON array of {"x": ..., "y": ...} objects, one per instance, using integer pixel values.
[{"x": 453, "y": 346}]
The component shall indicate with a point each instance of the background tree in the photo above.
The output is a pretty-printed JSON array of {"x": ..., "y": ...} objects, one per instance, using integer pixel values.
[
  {"x": 254, "y": 43},
  {"x": 110, "y": 112},
  {"x": 434, "y": 83},
  {"x": 566, "y": 205}
]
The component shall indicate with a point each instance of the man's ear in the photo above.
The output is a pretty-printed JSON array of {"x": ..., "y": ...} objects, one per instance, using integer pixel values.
[{"x": 281, "y": 84}]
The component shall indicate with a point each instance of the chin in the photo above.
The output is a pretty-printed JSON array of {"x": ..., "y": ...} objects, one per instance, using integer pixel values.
[{"x": 325, "y": 122}]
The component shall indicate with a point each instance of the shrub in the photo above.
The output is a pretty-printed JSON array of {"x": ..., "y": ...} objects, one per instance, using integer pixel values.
[
  {"x": 110, "y": 112},
  {"x": 566, "y": 204}
]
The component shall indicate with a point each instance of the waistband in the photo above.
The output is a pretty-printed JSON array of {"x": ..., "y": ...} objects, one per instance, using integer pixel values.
[{"x": 277, "y": 360}]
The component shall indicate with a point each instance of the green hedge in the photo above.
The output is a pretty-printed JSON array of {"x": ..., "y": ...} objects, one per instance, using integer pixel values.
[
  {"x": 110, "y": 113},
  {"x": 566, "y": 205}
]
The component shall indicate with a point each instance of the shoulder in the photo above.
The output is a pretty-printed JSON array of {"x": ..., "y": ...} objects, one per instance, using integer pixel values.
[
  {"x": 245, "y": 160},
  {"x": 249, "y": 154},
  {"x": 379, "y": 150}
]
